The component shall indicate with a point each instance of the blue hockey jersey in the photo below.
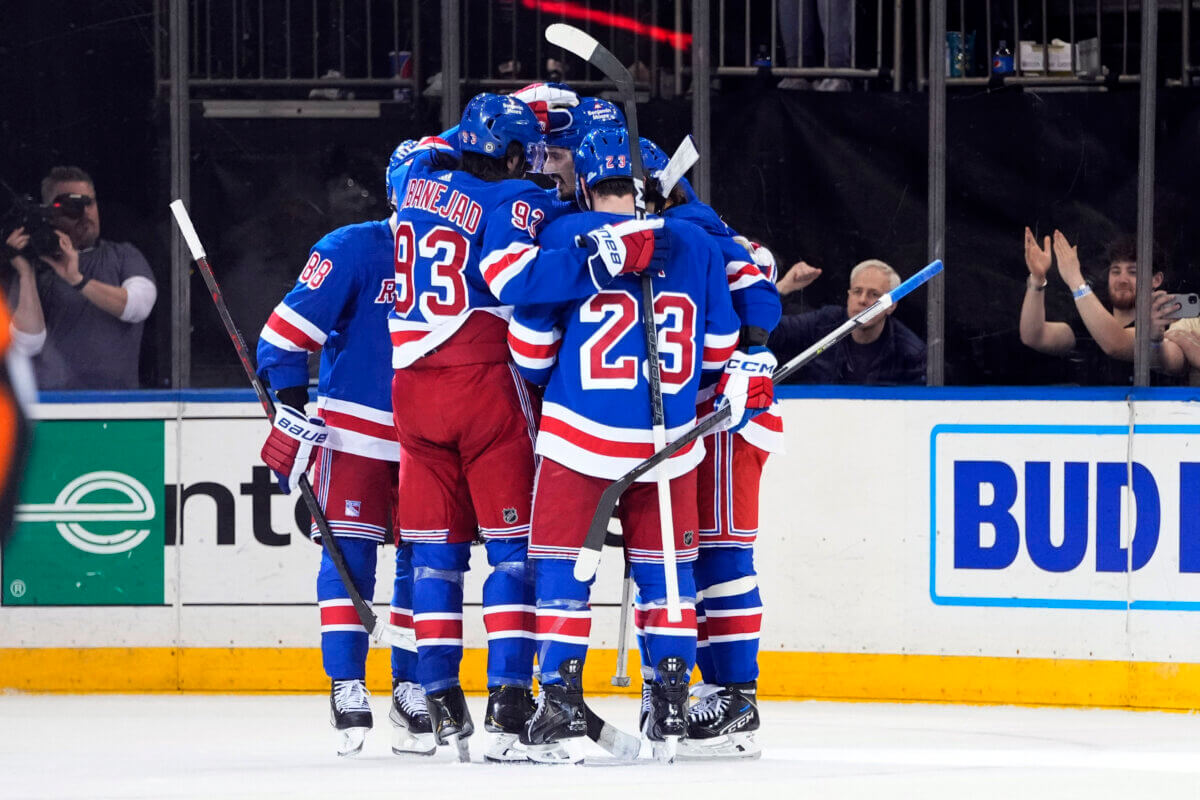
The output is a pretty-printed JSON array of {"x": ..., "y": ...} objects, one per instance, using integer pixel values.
[
  {"x": 467, "y": 246},
  {"x": 339, "y": 306},
  {"x": 591, "y": 354},
  {"x": 756, "y": 302}
]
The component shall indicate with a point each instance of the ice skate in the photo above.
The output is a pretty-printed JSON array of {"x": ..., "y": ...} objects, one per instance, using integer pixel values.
[
  {"x": 350, "y": 714},
  {"x": 451, "y": 720},
  {"x": 411, "y": 728},
  {"x": 508, "y": 711},
  {"x": 666, "y": 722},
  {"x": 723, "y": 725},
  {"x": 559, "y": 716}
]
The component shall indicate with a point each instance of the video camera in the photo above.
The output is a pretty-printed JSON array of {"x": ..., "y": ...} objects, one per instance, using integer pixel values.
[{"x": 39, "y": 221}]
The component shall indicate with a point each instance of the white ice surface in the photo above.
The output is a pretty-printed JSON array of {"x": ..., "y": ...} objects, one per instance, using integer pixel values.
[{"x": 199, "y": 746}]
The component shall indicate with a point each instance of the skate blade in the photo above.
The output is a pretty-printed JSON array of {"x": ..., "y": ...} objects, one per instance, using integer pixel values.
[
  {"x": 350, "y": 741},
  {"x": 462, "y": 746},
  {"x": 735, "y": 747},
  {"x": 504, "y": 748},
  {"x": 666, "y": 750},
  {"x": 407, "y": 743}
]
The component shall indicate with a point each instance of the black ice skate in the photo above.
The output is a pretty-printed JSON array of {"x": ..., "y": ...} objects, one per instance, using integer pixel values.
[
  {"x": 722, "y": 725},
  {"x": 667, "y": 720},
  {"x": 350, "y": 714},
  {"x": 508, "y": 711},
  {"x": 451, "y": 720},
  {"x": 559, "y": 715},
  {"x": 412, "y": 731}
]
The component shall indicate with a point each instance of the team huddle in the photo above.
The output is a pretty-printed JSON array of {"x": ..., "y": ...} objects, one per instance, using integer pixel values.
[{"x": 484, "y": 378}]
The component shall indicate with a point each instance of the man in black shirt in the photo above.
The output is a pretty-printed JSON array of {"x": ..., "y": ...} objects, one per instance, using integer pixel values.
[
  {"x": 883, "y": 352},
  {"x": 1100, "y": 343}
]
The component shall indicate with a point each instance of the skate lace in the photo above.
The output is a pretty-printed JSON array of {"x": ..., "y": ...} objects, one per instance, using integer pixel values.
[
  {"x": 540, "y": 710},
  {"x": 710, "y": 708},
  {"x": 411, "y": 700},
  {"x": 351, "y": 696}
]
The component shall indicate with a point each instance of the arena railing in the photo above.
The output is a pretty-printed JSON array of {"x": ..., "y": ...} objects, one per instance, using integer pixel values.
[
  {"x": 1101, "y": 44},
  {"x": 745, "y": 22}
]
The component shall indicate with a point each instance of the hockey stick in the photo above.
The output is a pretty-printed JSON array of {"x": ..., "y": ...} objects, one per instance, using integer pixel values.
[
  {"x": 683, "y": 159},
  {"x": 380, "y": 630},
  {"x": 589, "y": 555},
  {"x": 586, "y": 47},
  {"x": 620, "y": 678}
]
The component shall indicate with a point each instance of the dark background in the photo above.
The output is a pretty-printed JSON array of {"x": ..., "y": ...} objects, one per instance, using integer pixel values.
[{"x": 830, "y": 178}]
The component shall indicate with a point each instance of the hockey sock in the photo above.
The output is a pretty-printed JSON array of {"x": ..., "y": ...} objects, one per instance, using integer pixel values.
[
  {"x": 564, "y": 618},
  {"x": 437, "y": 611},
  {"x": 732, "y": 614},
  {"x": 508, "y": 614},
  {"x": 658, "y": 637},
  {"x": 343, "y": 638},
  {"x": 404, "y": 662}
]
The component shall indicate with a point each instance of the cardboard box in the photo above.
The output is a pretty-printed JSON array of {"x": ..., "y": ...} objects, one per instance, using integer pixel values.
[
  {"x": 1029, "y": 58},
  {"x": 1058, "y": 57}
]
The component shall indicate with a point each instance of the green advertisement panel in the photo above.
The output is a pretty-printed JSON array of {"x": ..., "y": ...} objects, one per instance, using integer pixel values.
[{"x": 89, "y": 527}]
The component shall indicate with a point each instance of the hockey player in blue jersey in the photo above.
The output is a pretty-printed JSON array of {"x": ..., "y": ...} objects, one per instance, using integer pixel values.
[
  {"x": 465, "y": 247},
  {"x": 724, "y": 720},
  {"x": 590, "y": 355},
  {"x": 339, "y": 306},
  {"x": 566, "y": 118}
]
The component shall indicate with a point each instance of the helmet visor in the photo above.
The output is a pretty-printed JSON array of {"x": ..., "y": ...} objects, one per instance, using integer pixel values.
[{"x": 535, "y": 156}]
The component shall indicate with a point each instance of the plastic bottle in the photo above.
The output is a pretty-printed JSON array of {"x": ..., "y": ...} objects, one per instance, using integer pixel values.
[{"x": 1002, "y": 61}]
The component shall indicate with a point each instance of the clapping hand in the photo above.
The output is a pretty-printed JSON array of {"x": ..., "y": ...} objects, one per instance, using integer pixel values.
[{"x": 1037, "y": 259}]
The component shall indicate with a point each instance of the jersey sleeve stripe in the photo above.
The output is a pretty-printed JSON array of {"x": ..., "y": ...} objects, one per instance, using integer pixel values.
[
  {"x": 285, "y": 336},
  {"x": 281, "y": 342},
  {"x": 748, "y": 275},
  {"x": 718, "y": 348},
  {"x": 502, "y": 266},
  {"x": 295, "y": 319}
]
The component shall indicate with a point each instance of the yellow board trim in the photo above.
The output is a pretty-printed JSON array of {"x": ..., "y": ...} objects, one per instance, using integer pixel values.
[{"x": 840, "y": 676}]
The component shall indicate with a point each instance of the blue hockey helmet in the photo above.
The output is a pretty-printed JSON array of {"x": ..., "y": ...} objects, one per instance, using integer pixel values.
[
  {"x": 654, "y": 160},
  {"x": 402, "y": 151},
  {"x": 603, "y": 154},
  {"x": 491, "y": 122},
  {"x": 591, "y": 114}
]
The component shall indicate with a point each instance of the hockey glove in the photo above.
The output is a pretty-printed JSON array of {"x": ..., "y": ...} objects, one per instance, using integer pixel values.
[
  {"x": 549, "y": 102},
  {"x": 289, "y": 447},
  {"x": 763, "y": 258},
  {"x": 746, "y": 386},
  {"x": 626, "y": 247}
]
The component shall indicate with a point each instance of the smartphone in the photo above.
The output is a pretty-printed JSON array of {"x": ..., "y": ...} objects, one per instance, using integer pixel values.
[{"x": 1189, "y": 306}]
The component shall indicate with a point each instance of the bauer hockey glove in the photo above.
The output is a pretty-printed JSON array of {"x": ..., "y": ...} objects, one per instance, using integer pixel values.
[
  {"x": 746, "y": 386},
  {"x": 626, "y": 247},
  {"x": 289, "y": 447},
  {"x": 549, "y": 102}
]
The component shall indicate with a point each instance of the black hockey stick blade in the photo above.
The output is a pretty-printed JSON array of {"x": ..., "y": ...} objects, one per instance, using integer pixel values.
[
  {"x": 623, "y": 745},
  {"x": 380, "y": 630},
  {"x": 589, "y": 555}
]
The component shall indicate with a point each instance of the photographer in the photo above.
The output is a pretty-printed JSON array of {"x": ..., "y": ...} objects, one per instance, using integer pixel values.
[{"x": 94, "y": 294}]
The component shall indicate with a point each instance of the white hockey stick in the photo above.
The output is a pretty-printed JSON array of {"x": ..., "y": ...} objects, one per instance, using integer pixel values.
[
  {"x": 586, "y": 47},
  {"x": 683, "y": 159}
]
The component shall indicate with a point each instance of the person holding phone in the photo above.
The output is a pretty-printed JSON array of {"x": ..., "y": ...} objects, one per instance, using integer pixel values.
[
  {"x": 1104, "y": 332},
  {"x": 1181, "y": 345}
]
